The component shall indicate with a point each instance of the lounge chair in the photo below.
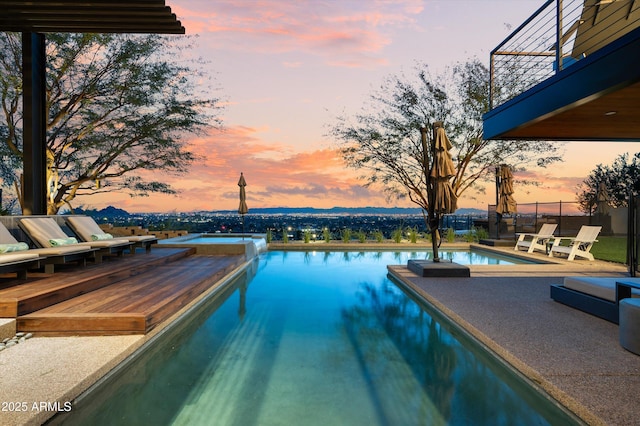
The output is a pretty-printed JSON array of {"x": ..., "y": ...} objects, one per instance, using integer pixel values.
[
  {"x": 18, "y": 262},
  {"x": 46, "y": 232},
  {"x": 595, "y": 295},
  {"x": 580, "y": 245},
  {"x": 88, "y": 230},
  {"x": 49, "y": 256},
  {"x": 537, "y": 241}
]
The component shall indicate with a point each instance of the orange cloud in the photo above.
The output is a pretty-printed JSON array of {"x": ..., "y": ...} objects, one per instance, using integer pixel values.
[{"x": 275, "y": 175}]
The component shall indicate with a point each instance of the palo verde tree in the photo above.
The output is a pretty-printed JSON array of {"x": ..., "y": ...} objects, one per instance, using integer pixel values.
[
  {"x": 119, "y": 109},
  {"x": 621, "y": 179},
  {"x": 384, "y": 140}
]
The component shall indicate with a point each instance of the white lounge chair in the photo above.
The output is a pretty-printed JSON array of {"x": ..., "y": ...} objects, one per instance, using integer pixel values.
[
  {"x": 88, "y": 230},
  {"x": 532, "y": 242},
  {"x": 46, "y": 232},
  {"x": 580, "y": 245},
  {"x": 49, "y": 256}
]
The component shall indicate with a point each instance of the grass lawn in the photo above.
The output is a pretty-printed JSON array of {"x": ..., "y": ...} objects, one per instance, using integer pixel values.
[{"x": 613, "y": 249}]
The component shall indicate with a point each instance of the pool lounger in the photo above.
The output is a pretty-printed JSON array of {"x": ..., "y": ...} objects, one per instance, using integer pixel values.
[
  {"x": 44, "y": 230},
  {"x": 594, "y": 295},
  {"x": 50, "y": 256},
  {"x": 18, "y": 263},
  {"x": 87, "y": 229}
]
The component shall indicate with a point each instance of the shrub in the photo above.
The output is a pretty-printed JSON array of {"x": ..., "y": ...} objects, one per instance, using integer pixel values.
[
  {"x": 285, "y": 237},
  {"x": 378, "y": 236},
  {"x": 326, "y": 234},
  {"x": 346, "y": 235},
  {"x": 451, "y": 235},
  {"x": 470, "y": 236},
  {"x": 397, "y": 235},
  {"x": 307, "y": 236},
  {"x": 482, "y": 233},
  {"x": 269, "y": 236},
  {"x": 362, "y": 236},
  {"x": 413, "y": 235}
]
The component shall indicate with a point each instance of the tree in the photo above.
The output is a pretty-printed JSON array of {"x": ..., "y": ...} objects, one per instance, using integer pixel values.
[
  {"x": 384, "y": 141},
  {"x": 118, "y": 106},
  {"x": 621, "y": 178}
]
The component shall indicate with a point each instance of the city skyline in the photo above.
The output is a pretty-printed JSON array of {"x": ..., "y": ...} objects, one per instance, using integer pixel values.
[{"x": 285, "y": 71}]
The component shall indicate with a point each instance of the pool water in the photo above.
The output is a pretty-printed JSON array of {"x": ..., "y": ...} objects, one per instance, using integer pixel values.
[{"x": 316, "y": 339}]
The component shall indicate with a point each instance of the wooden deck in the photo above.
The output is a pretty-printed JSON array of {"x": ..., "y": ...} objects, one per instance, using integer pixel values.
[{"x": 127, "y": 295}]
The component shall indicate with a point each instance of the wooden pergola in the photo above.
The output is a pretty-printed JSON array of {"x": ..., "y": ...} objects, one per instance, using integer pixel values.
[{"x": 35, "y": 18}]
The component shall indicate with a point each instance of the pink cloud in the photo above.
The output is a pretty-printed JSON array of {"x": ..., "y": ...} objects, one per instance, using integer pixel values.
[{"x": 313, "y": 27}]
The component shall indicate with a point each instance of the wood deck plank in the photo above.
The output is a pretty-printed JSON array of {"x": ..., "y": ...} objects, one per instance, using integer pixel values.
[
  {"x": 45, "y": 290},
  {"x": 133, "y": 305}
]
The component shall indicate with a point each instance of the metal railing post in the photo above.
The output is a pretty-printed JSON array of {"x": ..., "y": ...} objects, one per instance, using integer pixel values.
[{"x": 558, "y": 36}]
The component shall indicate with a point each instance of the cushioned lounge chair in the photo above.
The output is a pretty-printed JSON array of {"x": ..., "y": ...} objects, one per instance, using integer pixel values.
[
  {"x": 580, "y": 245},
  {"x": 594, "y": 295},
  {"x": 18, "y": 262},
  {"x": 88, "y": 230},
  {"x": 45, "y": 232},
  {"x": 49, "y": 256},
  {"x": 532, "y": 242}
]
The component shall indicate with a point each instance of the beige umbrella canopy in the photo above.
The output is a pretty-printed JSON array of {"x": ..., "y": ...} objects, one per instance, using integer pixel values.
[
  {"x": 445, "y": 200},
  {"x": 602, "y": 199},
  {"x": 506, "y": 203},
  {"x": 243, "y": 209}
]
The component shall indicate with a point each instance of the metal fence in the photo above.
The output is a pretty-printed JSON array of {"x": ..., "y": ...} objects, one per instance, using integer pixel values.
[{"x": 531, "y": 216}]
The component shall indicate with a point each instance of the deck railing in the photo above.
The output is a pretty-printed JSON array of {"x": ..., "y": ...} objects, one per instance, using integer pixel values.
[{"x": 556, "y": 36}]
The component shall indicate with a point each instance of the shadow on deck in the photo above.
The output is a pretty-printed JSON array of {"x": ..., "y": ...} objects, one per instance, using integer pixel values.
[{"x": 129, "y": 295}]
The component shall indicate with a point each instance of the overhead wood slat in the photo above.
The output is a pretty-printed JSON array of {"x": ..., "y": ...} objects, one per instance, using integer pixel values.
[{"x": 95, "y": 16}]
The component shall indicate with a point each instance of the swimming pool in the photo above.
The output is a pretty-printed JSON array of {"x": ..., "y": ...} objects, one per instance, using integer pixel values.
[
  {"x": 248, "y": 244},
  {"x": 316, "y": 339}
]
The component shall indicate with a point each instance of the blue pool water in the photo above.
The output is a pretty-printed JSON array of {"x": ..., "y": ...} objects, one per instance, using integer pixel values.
[{"x": 316, "y": 339}]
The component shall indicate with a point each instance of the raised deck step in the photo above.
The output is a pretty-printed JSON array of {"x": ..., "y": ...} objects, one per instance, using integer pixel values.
[
  {"x": 43, "y": 290},
  {"x": 133, "y": 305}
]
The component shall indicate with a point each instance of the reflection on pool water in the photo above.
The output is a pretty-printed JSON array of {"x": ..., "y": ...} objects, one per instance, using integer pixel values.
[{"x": 316, "y": 339}]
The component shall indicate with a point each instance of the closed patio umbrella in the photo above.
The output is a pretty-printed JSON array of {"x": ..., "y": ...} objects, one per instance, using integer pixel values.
[
  {"x": 603, "y": 199},
  {"x": 442, "y": 197},
  {"x": 506, "y": 203},
  {"x": 243, "y": 209},
  {"x": 445, "y": 200}
]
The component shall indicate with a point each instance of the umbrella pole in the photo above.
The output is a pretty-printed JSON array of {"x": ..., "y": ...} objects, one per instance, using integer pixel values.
[{"x": 435, "y": 235}]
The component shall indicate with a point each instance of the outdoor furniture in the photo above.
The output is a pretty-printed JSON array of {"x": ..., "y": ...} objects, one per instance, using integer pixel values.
[
  {"x": 45, "y": 232},
  {"x": 19, "y": 263},
  {"x": 88, "y": 230},
  {"x": 580, "y": 245},
  {"x": 49, "y": 256},
  {"x": 537, "y": 241},
  {"x": 629, "y": 331},
  {"x": 597, "y": 296}
]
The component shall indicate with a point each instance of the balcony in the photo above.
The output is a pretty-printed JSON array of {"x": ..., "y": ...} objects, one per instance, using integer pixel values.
[{"x": 570, "y": 72}]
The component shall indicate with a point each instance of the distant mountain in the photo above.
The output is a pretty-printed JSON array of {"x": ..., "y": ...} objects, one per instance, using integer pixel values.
[
  {"x": 111, "y": 212},
  {"x": 108, "y": 212},
  {"x": 351, "y": 211}
]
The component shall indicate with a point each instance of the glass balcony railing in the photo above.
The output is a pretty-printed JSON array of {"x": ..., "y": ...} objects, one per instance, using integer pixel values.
[{"x": 559, "y": 34}]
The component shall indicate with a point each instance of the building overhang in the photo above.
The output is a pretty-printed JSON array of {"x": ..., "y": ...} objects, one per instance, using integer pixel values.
[{"x": 597, "y": 98}]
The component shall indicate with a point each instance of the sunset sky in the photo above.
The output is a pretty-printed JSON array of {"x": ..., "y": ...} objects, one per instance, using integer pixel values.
[{"x": 286, "y": 69}]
